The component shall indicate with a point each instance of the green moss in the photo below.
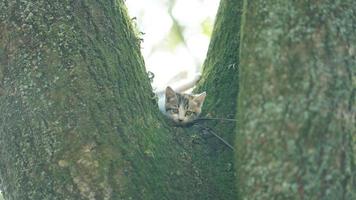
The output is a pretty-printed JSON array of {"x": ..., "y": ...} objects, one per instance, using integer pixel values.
[
  {"x": 293, "y": 84},
  {"x": 220, "y": 81},
  {"x": 75, "y": 121}
]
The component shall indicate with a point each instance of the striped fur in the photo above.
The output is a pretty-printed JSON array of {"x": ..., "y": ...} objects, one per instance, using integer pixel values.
[{"x": 183, "y": 108}]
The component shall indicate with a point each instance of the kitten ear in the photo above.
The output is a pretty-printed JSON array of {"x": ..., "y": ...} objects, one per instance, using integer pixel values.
[
  {"x": 199, "y": 99},
  {"x": 170, "y": 93}
]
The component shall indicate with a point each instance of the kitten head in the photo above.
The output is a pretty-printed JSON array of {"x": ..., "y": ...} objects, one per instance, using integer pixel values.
[{"x": 183, "y": 108}]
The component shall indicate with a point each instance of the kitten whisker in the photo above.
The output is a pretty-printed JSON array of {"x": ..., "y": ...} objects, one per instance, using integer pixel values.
[{"x": 181, "y": 108}]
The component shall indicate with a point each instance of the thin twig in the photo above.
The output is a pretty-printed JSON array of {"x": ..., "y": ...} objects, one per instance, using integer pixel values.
[
  {"x": 222, "y": 119},
  {"x": 217, "y": 136}
]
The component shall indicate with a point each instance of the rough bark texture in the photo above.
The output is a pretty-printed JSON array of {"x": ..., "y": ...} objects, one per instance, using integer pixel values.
[
  {"x": 78, "y": 118},
  {"x": 296, "y": 103},
  {"x": 63, "y": 116},
  {"x": 220, "y": 81}
]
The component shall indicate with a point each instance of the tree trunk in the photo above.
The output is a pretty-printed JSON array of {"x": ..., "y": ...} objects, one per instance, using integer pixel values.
[
  {"x": 220, "y": 81},
  {"x": 296, "y": 103},
  {"x": 78, "y": 118}
]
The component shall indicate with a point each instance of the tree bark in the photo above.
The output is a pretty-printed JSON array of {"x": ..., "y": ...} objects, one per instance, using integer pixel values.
[
  {"x": 220, "y": 81},
  {"x": 78, "y": 118},
  {"x": 296, "y": 103}
]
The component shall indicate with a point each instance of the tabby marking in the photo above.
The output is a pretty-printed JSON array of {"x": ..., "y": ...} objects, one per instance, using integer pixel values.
[{"x": 183, "y": 108}]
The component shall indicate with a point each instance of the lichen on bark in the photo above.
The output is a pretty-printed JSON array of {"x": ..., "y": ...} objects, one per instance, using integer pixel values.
[
  {"x": 77, "y": 118},
  {"x": 296, "y": 116}
]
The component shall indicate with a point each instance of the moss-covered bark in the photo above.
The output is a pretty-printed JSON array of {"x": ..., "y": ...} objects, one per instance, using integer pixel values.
[
  {"x": 296, "y": 103},
  {"x": 77, "y": 115},
  {"x": 220, "y": 81}
]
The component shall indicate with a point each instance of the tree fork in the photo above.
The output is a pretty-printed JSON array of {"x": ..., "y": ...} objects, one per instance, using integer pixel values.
[{"x": 77, "y": 117}]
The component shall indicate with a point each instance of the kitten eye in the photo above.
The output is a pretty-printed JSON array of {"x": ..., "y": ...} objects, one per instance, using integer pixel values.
[
  {"x": 174, "y": 110},
  {"x": 188, "y": 113}
]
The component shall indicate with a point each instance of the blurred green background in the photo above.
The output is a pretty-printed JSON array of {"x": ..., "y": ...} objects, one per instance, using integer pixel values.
[{"x": 175, "y": 36}]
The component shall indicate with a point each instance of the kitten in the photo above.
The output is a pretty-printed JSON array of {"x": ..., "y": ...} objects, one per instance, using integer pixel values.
[{"x": 181, "y": 108}]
